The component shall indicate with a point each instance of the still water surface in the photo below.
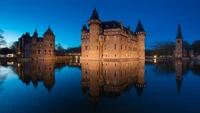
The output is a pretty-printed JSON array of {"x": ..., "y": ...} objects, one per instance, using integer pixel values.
[{"x": 100, "y": 87}]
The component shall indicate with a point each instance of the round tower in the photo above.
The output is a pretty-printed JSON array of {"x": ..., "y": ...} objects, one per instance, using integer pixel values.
[
  {"x": 94, "y": 24},
  {"x": 49, "y": 43},
  {"x": 140, "y": 34}
]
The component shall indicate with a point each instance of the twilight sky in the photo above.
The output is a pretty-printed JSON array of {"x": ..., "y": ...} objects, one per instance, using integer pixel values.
[{"x": 159, "y": 18}]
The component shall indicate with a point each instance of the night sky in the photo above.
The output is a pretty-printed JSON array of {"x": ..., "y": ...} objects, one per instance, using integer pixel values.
[{"x": 160, "y": 18}]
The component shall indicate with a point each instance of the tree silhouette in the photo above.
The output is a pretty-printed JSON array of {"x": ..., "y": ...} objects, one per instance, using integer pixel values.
[{"x": 2, "y": 41}]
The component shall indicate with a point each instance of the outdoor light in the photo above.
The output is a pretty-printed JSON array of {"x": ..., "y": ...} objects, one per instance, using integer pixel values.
[{"x": 155, "y": 56}]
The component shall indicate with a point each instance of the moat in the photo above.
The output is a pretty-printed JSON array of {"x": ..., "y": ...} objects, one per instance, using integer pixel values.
[{"x": 100, "y": 87}]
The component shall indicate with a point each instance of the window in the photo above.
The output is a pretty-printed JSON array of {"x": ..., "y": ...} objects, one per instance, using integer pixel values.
[
  {"x": 114, "y": 37},
  {"x": 115, "y": 46},
  {"x": 107, "y": 38},
  {"x": 121, "y": 46},
  {"x": 105, "y": 46},
  {"x": 45, "y": 51},
  {"x": 178, "y": 41},
  {"x": 86, "y": 47},
  {"x": 38, "y": 51}
]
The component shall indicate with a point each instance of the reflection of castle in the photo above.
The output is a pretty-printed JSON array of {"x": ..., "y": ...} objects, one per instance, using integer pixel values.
[
  {"x": 112, "y": 78},
  {"x": 37, "y": 72}
]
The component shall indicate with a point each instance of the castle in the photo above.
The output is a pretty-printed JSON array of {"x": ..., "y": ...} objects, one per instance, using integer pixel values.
[
  {"x": 111, "y": 40},
  {"x": 37, "y": 47}
]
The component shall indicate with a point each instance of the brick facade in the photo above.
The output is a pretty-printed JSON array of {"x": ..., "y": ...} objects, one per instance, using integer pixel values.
[{"x": 111, "y": 40}]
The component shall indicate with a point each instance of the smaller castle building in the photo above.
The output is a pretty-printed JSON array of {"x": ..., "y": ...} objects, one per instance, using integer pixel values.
[{"x": 37, "y": 47}]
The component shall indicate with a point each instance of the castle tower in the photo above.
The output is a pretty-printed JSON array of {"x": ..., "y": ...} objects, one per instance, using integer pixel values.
[
  {"x": 179, "y": 43},
  {"x": 140, "y": 33},
  {"x": 49, "y": 43},
  {"x": 94, "y": 23},
  {"x": 34, "y": 45}
]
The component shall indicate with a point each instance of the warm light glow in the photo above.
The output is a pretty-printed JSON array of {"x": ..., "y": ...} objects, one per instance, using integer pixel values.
[
  {"x": 155, "y": 56},
  {"x": 154, "y": 60},
  {"x": 18, "y": 53},
  {"x": 18, "y": 64}
]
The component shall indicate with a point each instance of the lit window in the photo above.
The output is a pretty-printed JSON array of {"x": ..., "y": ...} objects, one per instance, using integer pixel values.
[{"x": 114, "y": 37}]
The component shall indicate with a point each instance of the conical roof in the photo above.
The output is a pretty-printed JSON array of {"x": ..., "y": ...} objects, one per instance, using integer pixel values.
[
  {"x": 179, "y": 32},
  {"x": 49, "y": 31},
  {"x": 84, "y": 28},
  {"x": 178, "y": 84},
  {"x": 139, "y": 27},
  {"x": 94, "y": 15}
]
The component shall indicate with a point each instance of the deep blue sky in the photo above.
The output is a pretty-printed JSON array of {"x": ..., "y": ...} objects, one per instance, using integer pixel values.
[{"x": 159, "y": 17}]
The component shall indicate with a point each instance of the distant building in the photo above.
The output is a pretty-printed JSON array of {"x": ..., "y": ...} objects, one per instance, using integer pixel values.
[
  {"x": 37, "y": 47},
  {"x": 111, "y": 40},
  {"x": 180, "y": 51}
]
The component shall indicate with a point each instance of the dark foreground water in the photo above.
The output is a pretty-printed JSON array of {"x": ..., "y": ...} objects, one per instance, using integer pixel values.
[{"x": 101, "y": 87}]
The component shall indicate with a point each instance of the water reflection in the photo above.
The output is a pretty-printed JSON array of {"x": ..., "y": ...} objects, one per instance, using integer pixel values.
[
  {"x": 42, "y": 71},
  {"x": 111, "y": 79},
  {"x": 122, "y": 83}
]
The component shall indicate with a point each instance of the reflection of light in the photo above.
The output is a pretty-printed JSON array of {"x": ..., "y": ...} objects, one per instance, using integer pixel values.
[
  {"x": 18, "y": 64},
  {"x": 154, "y": 56},
  {"x": 154, "y": 60},
  {"x": 10, "y": 63},
  {"x": 18, "y": 53}
]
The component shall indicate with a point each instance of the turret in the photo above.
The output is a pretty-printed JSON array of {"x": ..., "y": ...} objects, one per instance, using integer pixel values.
[
  {"x": 140, "y": 33},
  {"x": 49, "y": 41},
  {"x": 84, "y": 29},
  {"x": 94, "y": 25},
  {"x": 179, "y": 43},
  {"x": 35, "y": 36}
]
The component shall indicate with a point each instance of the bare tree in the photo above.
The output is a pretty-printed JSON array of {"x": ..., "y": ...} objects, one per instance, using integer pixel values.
[{"x": 2, "y": 41}]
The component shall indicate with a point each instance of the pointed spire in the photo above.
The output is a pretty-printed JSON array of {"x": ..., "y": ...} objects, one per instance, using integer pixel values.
[
  {"x": 178, "y": 84},
  {"x": 139, "y": 27},
  {"x": 49, "y": 31},
  {"x": 179, "y": 32},
  {"x": 94, "y": 15},
  {"x": 139, "y": 90},
  {"x": 35, "y": 34},
  {"x": 84, "y": 28}
]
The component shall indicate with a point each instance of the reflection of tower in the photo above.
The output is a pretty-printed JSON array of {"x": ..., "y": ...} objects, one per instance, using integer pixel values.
[
  {"x": 179, "y": 74},
  {"x": 90, "y": 79},
  {"x": 140, "y": 84}
]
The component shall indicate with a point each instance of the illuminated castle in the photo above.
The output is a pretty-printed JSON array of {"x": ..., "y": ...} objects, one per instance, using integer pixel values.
[
  {"x": 111, "y": 40},
  {"x": 37, "y": 47}
]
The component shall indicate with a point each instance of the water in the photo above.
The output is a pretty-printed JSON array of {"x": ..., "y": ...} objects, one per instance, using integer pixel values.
[{"x": 100, "y": 87}]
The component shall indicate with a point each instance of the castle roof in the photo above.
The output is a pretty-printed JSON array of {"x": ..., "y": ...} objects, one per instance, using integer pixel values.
[
  {"x": 139, "y": 90},
  {"x": 110, "y": 25},
  {"x": 35, "y": 34},
  {"x": 49, "y": 31},
  {"x": 139, "y": 27},
  {"x": 113, "y": 25},
  {"x": 84, "y": 28},
  {"x": 179, "y": 32},
  {"x": 94, "y": 15}
]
